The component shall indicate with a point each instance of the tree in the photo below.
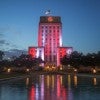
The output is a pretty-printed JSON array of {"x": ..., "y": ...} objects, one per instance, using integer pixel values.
[
  {"x": 1, "y": 55},
  {"x": 27, "y": 61},
  {"x": 65, "y": 60},
  {"x": 74, "y": 59}
]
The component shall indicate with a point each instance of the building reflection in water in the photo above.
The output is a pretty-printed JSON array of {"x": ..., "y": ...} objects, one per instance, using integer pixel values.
[
  {"x": 70, "y": 95},
  {"x": 94, "y": 81},
  {"x": 27, "y": 81},
  {"x": 52, "y": 82},
  {"x": 69, "y": 81},
  {"x": 48, "y": 81},
  {"x": 75, "y": 80},
  {"x": 61, "y": 90},
  {"x": 32, "y": 94},
  {"x": 50, "y": 87},
  {"x": 42, "y": 87}
]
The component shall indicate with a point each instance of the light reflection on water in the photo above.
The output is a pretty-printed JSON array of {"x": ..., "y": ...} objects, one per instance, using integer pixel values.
[
  {"x": 94, "y": 81},
  {"x": 51, "y": 87}
]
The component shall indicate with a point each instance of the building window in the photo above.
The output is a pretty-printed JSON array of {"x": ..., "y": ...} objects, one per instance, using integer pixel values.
[
  {"x": 49, "y": 31},
  {"x": 46, "y": 31},
  {"x": 54, "y": 58},
  {"x": 54, "y": 44},
  {"x": 60, "y": 56},
  {"x": 42, "y": 27},
  {"x": 54, "y": 27},
  {"x": 57, "y": 30},
  {"x": 58, "y": 27},
  {"x": 50, "y": 57},
  {"x": 50, "y": 51},
  {"x": 46, "y": 39}
]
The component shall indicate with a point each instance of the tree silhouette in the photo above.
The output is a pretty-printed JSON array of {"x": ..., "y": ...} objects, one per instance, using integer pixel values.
[
  {"x": 1, "y": 55},
  {"x": 76, "y": 59}
]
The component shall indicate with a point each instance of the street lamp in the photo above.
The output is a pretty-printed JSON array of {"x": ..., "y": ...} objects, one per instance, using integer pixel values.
[
  {"x": 27, "y": 70},
  {"x": 8, "y": 70},
  {"x": 94, "y": 71}
]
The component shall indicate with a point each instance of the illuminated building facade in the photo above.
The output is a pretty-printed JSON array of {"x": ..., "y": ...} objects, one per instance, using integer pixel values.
[
  {"x": 37, "y": 52},
  {"x": 50, "y": 47},
  {"x": 62, "y": 51}
]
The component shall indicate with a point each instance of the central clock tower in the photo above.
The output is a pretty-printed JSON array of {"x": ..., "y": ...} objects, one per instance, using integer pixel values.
[
  {"x": 49, "y": 36},
  {"x": 50, "y": 47}
]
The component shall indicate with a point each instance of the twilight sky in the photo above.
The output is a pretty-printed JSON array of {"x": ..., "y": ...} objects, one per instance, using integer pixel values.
[{"x": 80, "y": 20}]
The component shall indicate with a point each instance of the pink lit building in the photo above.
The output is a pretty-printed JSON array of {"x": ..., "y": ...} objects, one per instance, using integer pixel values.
[
  {"x": 36, "y": 52},
  {"x": 50, "y": 47}
]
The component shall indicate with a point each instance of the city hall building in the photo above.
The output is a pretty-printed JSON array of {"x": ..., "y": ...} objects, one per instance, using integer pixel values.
[{"x": 50, "y": 47}]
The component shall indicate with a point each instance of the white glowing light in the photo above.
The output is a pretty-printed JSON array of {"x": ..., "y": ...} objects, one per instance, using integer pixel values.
[
  {"x": 9, "y": 70},
  {"x": 60, "y": 40},
  {"x": 37, "y": 53},
  {"x": 69, "y": 51},
  {"x": 43, "y": 39},
  {"x": 47, "y": 12},
  {"x": 40, "y": 54}
]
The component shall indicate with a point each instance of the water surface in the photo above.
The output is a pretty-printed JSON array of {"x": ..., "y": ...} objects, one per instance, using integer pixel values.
[{"x": 51, "y": 87}]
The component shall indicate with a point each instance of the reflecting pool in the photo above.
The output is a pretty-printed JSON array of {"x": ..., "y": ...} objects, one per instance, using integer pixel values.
[{"x": 51, "y": 87}]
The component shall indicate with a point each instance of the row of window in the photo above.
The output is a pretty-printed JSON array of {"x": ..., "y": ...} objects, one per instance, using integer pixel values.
[
  {"x": 50, "y": 44},
  {"x": 50, "y": 52},
  {"x": 49, "y": 31},
  {"x": 40, "y": 52},
  {"x": 50, "y": 27},
  {"x": 50, "y": 35},
  {"x": 35, "y": 51},
  {"x": 50, "y": 39},
  {"x": 49, "y": 58}
]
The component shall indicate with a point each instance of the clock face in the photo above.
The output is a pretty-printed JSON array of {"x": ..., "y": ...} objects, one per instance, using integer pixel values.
[{"x": 50, "y": 19}]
